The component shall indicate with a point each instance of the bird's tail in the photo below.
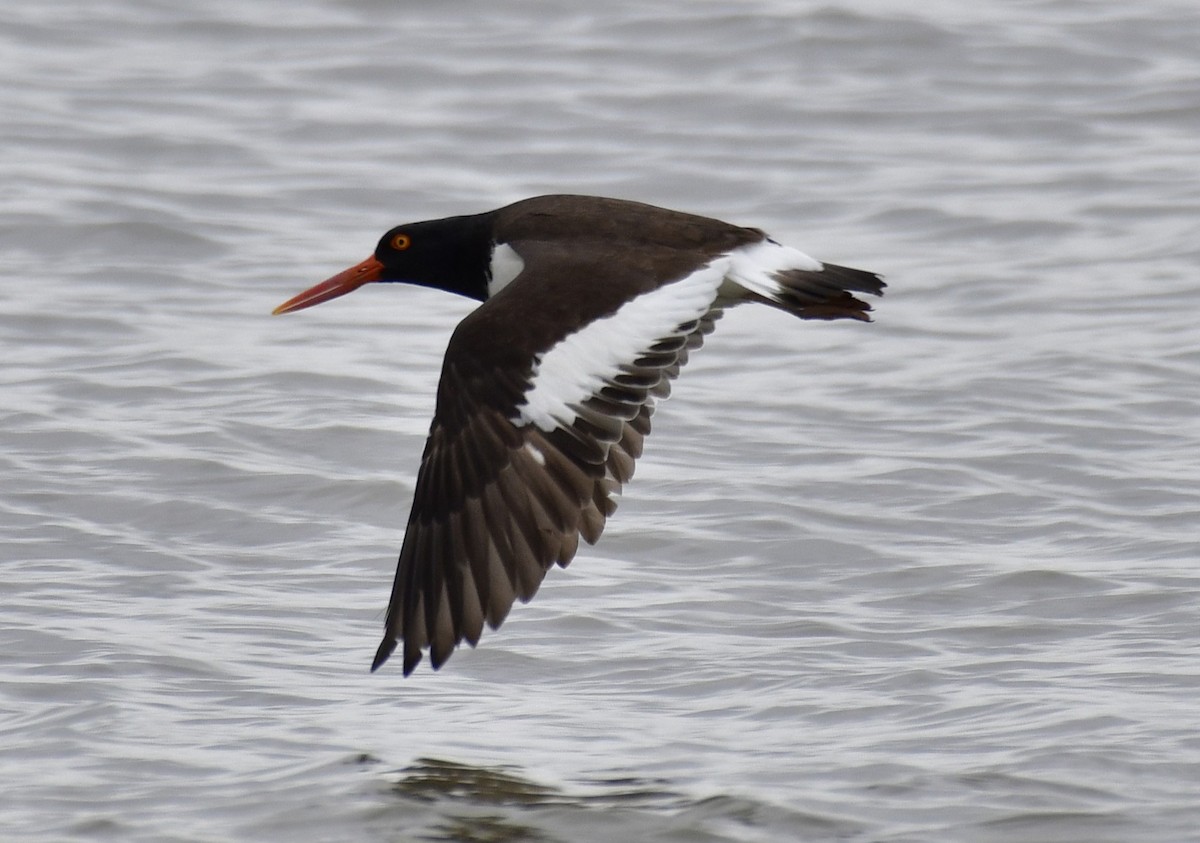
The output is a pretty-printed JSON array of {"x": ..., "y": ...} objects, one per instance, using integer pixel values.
[{"x": 790, "y": 280}]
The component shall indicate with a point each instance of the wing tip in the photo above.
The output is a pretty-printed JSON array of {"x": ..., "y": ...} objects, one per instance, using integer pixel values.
[{"x": 386, "y": 648}]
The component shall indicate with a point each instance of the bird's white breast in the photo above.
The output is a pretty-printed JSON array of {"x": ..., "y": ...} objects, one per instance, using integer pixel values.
[{"x": 506, "y": 265}]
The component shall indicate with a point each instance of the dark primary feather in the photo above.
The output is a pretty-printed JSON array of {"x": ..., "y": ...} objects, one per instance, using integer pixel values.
[{"x": 489, "y": 517}]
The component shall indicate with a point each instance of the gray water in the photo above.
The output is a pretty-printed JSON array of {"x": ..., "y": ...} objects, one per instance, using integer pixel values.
[{"x": 931, "y": 579}]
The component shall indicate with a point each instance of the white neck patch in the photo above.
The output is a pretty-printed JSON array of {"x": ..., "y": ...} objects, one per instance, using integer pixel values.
[{"x": 506, "y": 265}]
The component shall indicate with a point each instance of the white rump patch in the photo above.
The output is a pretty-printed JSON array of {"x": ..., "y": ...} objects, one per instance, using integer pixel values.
[
  {"x": 582, "y": 362},
  {"x": 506, "y": 265},
  {"x": 752, "y": 267}
]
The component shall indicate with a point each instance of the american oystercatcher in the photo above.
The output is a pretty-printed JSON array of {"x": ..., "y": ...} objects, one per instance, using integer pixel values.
[{"x": 590, "y": 308}]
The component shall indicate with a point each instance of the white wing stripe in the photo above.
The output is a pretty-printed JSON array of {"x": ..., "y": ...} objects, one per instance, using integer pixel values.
[{"x": 581, "y": 363}]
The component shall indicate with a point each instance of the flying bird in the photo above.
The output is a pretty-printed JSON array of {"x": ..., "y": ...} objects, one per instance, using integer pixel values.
[{"x": 590, "y": 308}]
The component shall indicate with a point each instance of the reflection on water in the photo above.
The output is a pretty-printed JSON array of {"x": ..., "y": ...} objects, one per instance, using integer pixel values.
[
  {"x": 485, "y": 804},
  {"x": 429, "y": 778},
  {"x": 464, "y": 794}
]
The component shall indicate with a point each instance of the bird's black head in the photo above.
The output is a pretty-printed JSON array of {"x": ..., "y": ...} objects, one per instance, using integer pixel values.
[{"x": 452, "y": 254}]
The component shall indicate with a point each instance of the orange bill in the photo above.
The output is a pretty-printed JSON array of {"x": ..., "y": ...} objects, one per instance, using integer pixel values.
[{"x": 340, "y": 284}]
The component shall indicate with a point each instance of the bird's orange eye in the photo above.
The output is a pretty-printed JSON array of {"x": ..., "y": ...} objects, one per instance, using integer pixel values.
[{"x": 400, "y": 242}]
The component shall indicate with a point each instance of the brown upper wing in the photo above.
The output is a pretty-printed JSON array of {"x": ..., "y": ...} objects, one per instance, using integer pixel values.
[{"x": 498, "y": 499}]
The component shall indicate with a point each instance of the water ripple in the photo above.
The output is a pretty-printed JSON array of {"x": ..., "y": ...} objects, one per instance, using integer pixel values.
[{"x": 931, "y": 579}]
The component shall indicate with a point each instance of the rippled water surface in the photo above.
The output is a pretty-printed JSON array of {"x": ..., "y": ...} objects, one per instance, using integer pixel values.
[{"x": 931, "y": 579}]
